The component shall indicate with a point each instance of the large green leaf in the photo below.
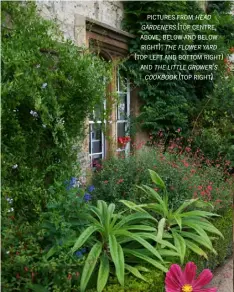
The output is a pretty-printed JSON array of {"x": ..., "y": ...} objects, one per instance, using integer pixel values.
[
  {"x": 154, "y": 237},
  {"x": 145, "y": 258},
  {"x": 103, "y": 272},
  {"x": 195, "y": 248},
  {"x": 117, "y": 257},
  {"x": 84, "y": 236},
  {"x": 161, "y": 225},
  {"x": 131, "y": 218},
  {"x": 140, "y": 227},
  {"x": 133, "y": 206},
  {"x": 198, "y": 213},
  {"x": 185, "y": 205},
  {"x": 178, "y": 220},
  {"x": 206, "y": 225},
  {"x": 134, "y": 271},
  {"x": 150, "y": 191},
  {"x": 180, "y": 245},
  {"x": 157, "y": 179},
  {"x": 198, "y": 239},
  {"x": 168, "y": 253},
  {"x": 138, "y": 238},
  {"x": 89, "y": 265}
]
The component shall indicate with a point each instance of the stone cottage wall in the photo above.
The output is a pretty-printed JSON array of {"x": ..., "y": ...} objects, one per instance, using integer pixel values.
[{"x": 64, "y": 12}]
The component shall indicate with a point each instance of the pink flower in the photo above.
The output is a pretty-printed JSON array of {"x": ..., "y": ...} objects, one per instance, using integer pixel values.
[
  {"x": 120, "y": 181},
  {"x": 105, "y": 182},
  {"x": 184, "y": 281}
]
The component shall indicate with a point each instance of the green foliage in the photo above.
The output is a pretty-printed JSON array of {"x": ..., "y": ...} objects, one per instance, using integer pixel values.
[
  {"x": 24, "y": 265},
  {"x": 48, "y": 88},
  {"x": 186, "y": 176},
  {"x": 169, "y": 104},
  {"x": 155, "y": 279},
  {"x": 214, "y": 132},
  {"x": 223, "y": 246},
  {"x": 117, "y": 241},
  {"x": 187, "y": 225}
]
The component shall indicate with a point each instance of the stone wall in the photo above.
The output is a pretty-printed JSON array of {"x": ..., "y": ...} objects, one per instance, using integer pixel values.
[{"x": 64, "y": 12}]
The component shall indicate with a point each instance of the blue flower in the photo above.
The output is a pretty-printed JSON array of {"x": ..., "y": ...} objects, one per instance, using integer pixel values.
[
  {"x": 91, "y": 189},
  {"x": 72, "y": 183},
  {"x": 78, "y": 253},
  {"x": 87, "y": 197}
]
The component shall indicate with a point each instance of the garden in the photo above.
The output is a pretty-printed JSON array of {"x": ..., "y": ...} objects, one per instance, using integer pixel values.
[{"x": 150, "y": 221}]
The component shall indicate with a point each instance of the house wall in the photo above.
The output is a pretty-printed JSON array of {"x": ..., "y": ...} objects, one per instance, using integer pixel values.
[{"x": 64, "y": 12}]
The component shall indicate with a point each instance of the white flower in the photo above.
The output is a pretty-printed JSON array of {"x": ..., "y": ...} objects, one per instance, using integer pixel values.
[
  {"x": 15, "y": 166},
  {"x": 7, "y": 252},
  {"x": 44, "y": 85},
  {"x": 34, "y": 114},
  {"x": 44, "y": 126},
  {"x": 9, "y": 200},
  {"x": 10, "y": 210},
  {"x": 38, "y": 66}
]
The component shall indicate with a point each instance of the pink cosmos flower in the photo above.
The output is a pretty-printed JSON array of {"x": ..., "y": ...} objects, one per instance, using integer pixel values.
[{"x": 184, "y": 281}]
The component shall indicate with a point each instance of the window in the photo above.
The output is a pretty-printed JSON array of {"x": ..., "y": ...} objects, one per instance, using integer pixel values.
[
  {"x": 97, "y": 141},
  {"x": 122, "y": 113},
  {"x": 96, "y": 138}
]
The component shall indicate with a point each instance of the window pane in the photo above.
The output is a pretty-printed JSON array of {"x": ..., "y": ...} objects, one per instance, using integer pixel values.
[
  {"x": 95, "y": 141},
  {"x": 97, "y": 147},
  {"x": 121, "y": 129},
  {"x": 122, "y": 107}
]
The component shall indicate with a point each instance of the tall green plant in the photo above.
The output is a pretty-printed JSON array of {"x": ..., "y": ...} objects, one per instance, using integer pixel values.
[
  {"x": 49, "y": 86},
  {"x": 186, "y": 228},
  {"x": 119, "y": 242}
]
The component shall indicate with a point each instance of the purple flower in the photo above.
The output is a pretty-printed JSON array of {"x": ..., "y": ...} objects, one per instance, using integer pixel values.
[
  {"x": 78, "y": 253},
  {"x": 72, "y": 183},
  {"x": 91, "y": 189},
  {"x": 87, "y": 197}
]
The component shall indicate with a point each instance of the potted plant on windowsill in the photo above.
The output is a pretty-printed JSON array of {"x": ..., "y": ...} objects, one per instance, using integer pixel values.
[{"x": 122, "y": 142}]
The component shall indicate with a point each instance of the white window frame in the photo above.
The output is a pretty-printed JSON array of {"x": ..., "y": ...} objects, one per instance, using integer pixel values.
[
  {"x": 91, "y": 140},
  {"x": 126, "y": 121}
]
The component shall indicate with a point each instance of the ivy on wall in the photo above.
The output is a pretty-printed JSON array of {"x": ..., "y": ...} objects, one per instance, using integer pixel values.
[
  {"x": 169, "y": 105},
  {"x": 48, "y": 88}
]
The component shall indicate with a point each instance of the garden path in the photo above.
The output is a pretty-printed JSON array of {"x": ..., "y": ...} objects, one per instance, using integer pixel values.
[{"x": 223, "y": 277}]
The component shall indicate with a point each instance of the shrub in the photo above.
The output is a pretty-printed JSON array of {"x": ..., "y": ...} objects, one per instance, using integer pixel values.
[
  {"x": 36, "y": 255},
  {"x": 187, "y": 226},
  {"x": 185, "y": 176},
  {"x": 46, "y": 97}
]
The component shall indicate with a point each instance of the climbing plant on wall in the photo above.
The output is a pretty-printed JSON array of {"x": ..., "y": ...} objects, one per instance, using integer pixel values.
[
  {"x": 172, "y": 104},
  {"x": 48, "y": 88}
]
